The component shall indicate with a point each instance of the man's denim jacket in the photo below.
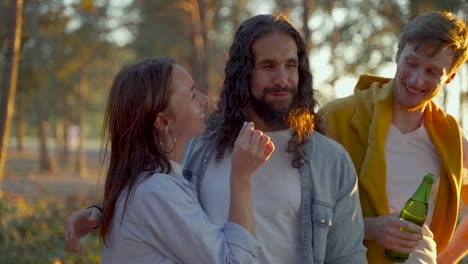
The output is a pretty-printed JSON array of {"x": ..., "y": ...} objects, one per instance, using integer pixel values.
[{"x": 332, "y": 227}]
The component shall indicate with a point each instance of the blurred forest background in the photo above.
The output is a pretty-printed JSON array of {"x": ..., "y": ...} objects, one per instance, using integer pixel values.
[{"x": 58, "y": 58}]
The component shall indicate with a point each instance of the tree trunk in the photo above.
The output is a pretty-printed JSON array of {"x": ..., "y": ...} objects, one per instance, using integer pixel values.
[
  {"x": 10, "y": 77},
  {"x": 197, "y": 11},
  {"x": 414, "y": 8},
  {"x": 80, "y": 152},
  {"x": 66, "y": 134},
  {"x": 46, "y": 162},
  {"x": 335, "y": 38},
  {"x": 66, "y": 150},
  {"x": 284, "y": 6},
  {"x": 203, "y": 7},
  {"x": 59, "y": 141},
  {"x": 20, "y": 124},
  {"x": 307, "y": 7},
  {"x": 235, "y": 13}
]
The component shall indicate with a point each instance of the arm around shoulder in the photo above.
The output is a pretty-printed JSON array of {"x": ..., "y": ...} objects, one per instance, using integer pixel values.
[{"x": 80, "y": 223}]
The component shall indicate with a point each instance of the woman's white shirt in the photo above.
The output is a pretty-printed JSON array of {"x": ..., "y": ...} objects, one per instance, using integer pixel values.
[{"x": 164, "y": 223}]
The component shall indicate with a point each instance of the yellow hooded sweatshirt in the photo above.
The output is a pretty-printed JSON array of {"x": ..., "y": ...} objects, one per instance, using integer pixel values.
[{"x": 360, "y": 123}]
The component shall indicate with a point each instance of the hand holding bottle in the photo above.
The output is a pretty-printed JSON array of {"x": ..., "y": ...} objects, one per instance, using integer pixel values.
[
  {"x": 387, "y": 231},
  {"x": 414, "y": 210}
]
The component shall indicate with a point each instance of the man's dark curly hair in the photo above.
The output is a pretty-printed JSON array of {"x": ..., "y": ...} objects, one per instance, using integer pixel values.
[{"x": 227, "y": 120}]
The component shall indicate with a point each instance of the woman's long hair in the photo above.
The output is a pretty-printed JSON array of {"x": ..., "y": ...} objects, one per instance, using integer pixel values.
[
  {"x": 140, "y": 92},
  {"x": 226, "y": 121}
]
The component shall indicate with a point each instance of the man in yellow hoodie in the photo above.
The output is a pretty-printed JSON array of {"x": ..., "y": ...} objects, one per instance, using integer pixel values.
[{"x": 395, "y": 133}]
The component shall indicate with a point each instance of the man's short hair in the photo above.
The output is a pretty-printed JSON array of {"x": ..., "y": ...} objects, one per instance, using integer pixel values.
[{"x": 444, "y": 30}]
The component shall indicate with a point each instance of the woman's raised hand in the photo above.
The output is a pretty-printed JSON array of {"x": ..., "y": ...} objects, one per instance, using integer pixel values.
[{"x": 251, "y": 150}]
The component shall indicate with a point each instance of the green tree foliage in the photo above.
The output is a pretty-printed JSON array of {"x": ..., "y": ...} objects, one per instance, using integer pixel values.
[
  {"x": 62, "y": 42},
  {"x": 160, "y": 28},
  {"x": 369, "y": 30},
  {"x": 195, "y": 32}
]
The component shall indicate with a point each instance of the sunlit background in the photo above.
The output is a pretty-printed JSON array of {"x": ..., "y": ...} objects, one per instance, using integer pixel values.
[
  {"x": 71, "y": 50},
  {"x": 347, "y": 38}
]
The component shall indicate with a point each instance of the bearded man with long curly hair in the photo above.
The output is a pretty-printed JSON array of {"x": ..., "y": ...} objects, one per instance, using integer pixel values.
[{"x": 306, "y": 201}]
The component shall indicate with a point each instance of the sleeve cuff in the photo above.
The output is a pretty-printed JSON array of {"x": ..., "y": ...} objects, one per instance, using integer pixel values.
[
  {"x": 97, "y": 207},
  {"x": 238, "y": 236}
]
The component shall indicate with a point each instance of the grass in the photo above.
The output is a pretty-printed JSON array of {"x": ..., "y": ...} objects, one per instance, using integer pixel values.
[
  {"x": 33, "y": 231},
  {"x": 34, "y": 205}
]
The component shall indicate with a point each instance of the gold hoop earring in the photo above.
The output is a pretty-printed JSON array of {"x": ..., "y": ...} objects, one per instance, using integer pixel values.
[{"x": 174, "y": 140}]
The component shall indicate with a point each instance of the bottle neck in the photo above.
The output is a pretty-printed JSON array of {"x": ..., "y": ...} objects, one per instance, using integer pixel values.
[{"x": 423, "y": 192}]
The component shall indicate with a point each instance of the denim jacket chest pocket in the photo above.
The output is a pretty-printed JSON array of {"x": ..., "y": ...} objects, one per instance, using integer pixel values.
[{"x": 322, "y": 220}]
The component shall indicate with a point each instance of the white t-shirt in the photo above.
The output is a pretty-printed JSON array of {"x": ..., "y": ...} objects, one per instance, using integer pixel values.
[
  {"x": 408, "y": 157},
  {"x": 277, "y": 201}
]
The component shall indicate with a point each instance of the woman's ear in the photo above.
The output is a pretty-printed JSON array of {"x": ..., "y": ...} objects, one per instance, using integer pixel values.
[{"x": 161, "y": 123}]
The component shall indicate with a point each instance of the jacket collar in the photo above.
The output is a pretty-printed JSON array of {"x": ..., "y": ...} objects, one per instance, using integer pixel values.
[{"x": 372, "y": 118}]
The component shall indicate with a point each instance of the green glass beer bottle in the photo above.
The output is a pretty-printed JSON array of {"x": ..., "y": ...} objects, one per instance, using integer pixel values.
[{"x": 415, "y": 210}]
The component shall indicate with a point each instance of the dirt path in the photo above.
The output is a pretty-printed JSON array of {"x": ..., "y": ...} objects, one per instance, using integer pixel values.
[{"x": 22, "y": 177}]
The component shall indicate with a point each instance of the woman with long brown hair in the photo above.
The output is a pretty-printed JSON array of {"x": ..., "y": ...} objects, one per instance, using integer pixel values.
[{"x": 151, "y": 213}]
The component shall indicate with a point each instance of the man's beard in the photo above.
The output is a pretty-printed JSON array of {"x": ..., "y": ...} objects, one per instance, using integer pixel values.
[{"x": 274, "y": 118}]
